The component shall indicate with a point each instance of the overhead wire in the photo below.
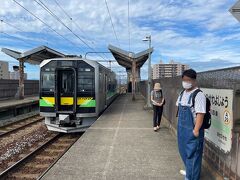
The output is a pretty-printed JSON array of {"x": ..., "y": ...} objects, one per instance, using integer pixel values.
[
  {"x": 48, "y": 25},
  {"x": 17, "y": 29},
  {"x": 72, "y": 20},
  {"x": 128, "y": 28},
  {"x": 5, "y": 22},
  {"x": 112, "y": 22},
  {"x": 45, "y": 7},
  {"x": 15, "y": 37}
]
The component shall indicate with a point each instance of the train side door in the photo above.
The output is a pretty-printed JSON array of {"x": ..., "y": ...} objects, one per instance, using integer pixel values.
[{"x": 66, "y": 90}]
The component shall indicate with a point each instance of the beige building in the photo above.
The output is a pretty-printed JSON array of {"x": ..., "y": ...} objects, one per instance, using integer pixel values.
[
  {"x": 15, "y": 75},
  {"x": 172, "y": 69},
  {"x": 4, "y": 73}
]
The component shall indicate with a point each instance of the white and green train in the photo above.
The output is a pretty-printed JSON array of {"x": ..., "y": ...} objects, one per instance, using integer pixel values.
[{"x": 72, "y": 90}]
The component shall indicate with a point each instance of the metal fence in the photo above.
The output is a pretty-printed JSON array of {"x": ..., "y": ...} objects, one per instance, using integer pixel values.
[
  {"x": 9, "y": 88},
  {"x": 228, "y": 78}
]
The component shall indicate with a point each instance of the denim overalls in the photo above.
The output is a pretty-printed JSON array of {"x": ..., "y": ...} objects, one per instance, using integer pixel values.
[{"x": 190, "y": 147}]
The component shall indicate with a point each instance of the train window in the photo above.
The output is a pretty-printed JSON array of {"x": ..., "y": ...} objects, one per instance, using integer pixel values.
[
  {"x": 67, "y": 82},
  {"x": 85, "y": 69},
  {"x": 86, "y": 77},
  {"x": 66, "y": 63},
  {"x": 86, "y": 81},
  {"x": 48, "y": 79}
]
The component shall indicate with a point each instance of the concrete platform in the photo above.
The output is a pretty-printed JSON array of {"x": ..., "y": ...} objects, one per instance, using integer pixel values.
[
  {"x": 9, "y": 103},
  {"x": 11, "y": 108},
  {"x": 122, "y": 145}
]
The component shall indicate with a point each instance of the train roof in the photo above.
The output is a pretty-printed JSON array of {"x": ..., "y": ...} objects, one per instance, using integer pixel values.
[{"x": 46, "y": 61}]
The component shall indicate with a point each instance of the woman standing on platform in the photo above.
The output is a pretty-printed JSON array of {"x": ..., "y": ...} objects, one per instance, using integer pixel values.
[{"x": 158, "y": 102}]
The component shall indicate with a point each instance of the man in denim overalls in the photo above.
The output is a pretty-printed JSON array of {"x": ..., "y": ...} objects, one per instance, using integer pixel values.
[{"x": 190, "y": 133}]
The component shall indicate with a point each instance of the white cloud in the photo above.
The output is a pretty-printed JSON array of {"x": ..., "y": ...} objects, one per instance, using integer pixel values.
[{"x": 172, "y": 24}]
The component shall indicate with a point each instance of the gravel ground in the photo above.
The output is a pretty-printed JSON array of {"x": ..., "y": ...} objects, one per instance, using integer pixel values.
[{"x": 13, "y": 146}]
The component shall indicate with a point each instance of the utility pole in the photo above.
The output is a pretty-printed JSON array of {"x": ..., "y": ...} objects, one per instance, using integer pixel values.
[{"x": 148, "y": 105}]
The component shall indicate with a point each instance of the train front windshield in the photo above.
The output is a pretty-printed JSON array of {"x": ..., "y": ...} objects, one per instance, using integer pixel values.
[{"x": 48, "y": 80}]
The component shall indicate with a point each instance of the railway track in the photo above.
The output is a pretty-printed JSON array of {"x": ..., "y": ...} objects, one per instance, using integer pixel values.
[
  {"x": 35, "y": 164},
  {"x": 20, "y": 125}
]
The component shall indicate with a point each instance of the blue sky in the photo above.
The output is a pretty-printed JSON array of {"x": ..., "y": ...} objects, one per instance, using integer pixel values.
[{"x": 201, "y": 33}]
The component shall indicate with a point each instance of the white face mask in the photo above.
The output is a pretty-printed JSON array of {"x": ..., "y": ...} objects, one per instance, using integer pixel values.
[{"x": 186, "y": 85}]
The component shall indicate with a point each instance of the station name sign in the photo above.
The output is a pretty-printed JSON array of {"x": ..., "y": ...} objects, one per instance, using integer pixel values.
[{"x": 220, "y": 132}]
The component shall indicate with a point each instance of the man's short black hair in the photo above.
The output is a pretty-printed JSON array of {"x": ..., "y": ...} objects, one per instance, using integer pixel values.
[{"x": 190, "y": 73}]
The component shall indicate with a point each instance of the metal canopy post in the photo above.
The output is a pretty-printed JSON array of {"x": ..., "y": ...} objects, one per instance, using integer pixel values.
[
  {"x": 131, "y": 61},
  {"x": 133, "y": 80},
  {"x": 34, "y": 56},
  {"x": 149, "y": 105},
  {"x": 21, "y": 79}
]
